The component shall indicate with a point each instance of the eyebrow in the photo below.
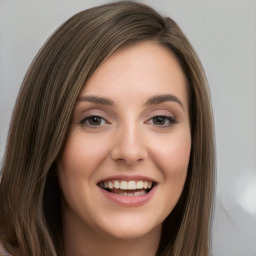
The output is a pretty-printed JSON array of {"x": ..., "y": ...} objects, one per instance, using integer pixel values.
[
  {"x": 97, "y": 100},
  {"x": 157, "y": 99},
  {"x": 163, "y": 98}
]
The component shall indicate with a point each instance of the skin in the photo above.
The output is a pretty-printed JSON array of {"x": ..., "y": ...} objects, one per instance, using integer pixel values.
[{"x": 126, "y": 139}]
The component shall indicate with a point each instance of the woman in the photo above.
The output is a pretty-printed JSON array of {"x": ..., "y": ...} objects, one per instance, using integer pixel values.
[{"x": 111, "y": 146}]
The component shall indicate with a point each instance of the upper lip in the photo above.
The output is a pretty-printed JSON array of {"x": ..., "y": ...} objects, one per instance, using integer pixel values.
[{"x": 127, "y": 178}]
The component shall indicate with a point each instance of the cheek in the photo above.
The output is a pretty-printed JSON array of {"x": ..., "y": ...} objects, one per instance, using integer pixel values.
[
  {"x": 76, "y": 169},
  {"x": 82, "y": 155},
  {"x": 172, "y": 159},
  {"x": 172, "y": 155}
]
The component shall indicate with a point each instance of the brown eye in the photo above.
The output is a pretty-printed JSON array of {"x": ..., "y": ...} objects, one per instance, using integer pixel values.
[
  {"x": 93, "y": 121},
  {"x": 162, "y": 121}
]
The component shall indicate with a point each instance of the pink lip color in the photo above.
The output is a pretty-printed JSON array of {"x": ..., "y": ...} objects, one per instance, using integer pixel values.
[{"x": 129, "y": 201}]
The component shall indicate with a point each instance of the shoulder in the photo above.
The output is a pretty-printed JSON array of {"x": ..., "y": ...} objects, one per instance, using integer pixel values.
[{"x": 3, "y": 251}]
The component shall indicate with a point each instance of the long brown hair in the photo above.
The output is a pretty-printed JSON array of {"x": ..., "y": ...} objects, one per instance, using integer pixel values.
[{"x": 30, "y": 216}]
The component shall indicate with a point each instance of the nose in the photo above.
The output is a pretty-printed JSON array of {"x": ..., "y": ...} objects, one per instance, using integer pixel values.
[{"x": 129, "y": 146}]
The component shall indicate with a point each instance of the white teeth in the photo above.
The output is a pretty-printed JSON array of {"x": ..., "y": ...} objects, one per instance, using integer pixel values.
[
  {"x": 139, "y": 184},
  {"x": 131, "y": 185},
  {"x": 122, "y": 194},
  {"x": 123, "y": 184},
  {"x": 116, "y": 184},
  {"x": 110, "y": 185},
  {"x": 145, "y": 184},
  {"x": 140, "y": 193},
  {"x": 126, "y": 185}
]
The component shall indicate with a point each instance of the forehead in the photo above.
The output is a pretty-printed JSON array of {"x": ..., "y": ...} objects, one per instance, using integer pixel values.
[{"x": 142, "y": 69}]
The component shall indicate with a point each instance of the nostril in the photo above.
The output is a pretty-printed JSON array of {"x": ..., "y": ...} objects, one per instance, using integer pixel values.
[{"x": 128, "y": 150}]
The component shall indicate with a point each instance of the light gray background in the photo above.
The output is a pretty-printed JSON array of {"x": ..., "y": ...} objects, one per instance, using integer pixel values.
[{"x": 223, "y": 33}]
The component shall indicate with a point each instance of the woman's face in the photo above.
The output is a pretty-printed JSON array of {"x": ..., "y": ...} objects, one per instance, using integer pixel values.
[{"x": 125, "y": 163}]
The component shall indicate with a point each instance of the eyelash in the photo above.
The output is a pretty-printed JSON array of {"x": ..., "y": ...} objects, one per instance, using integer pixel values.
[
  {"x": 86, "y": 121},
  {"x": 168, "y": 121}
]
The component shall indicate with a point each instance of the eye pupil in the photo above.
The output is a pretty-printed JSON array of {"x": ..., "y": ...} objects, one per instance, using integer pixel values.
[
  {"x": 159, "y": 120},
  {"x": 95, "y": 120}
]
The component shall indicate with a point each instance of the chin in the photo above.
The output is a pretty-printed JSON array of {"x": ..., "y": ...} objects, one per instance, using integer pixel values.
[{"x": 131, "y": 230}]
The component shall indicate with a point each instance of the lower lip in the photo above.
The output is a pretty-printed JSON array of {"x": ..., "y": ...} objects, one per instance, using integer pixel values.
[{"x": 129, "y": 200}]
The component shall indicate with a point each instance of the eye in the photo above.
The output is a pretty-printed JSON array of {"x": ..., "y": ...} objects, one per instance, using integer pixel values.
[
  {"x": 93, "y": 121},
  {"x": 162, "y": 121}
]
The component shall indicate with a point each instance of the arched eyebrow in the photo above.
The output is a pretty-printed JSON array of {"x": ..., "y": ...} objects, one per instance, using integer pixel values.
[
  {"x": 154, "y": 100},
  {"x": 157, "y": 99},
  {"x": 97, "y": 100}
]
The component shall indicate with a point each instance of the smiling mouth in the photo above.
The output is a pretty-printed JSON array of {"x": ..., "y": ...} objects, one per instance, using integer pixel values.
[{"x": 127, "y": 188}]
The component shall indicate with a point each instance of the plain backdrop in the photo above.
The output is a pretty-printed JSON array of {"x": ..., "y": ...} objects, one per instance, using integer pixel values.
[{"x": 223, "y": 32}]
